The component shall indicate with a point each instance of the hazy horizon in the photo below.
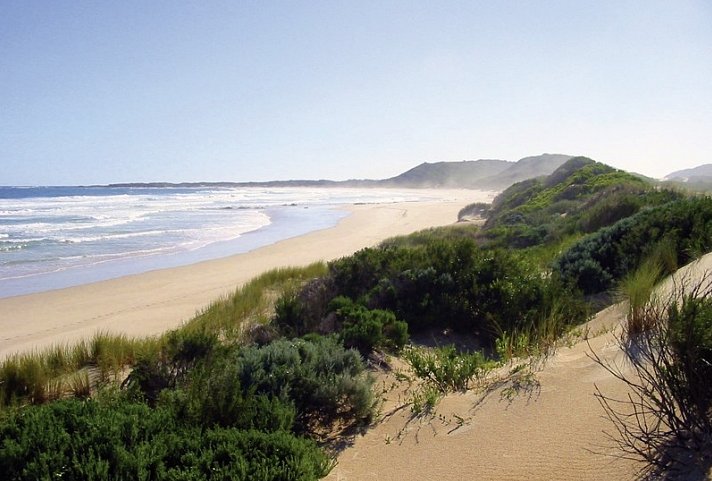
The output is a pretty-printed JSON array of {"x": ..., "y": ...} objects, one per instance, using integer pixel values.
[
  {"x": 258, "y": 91},
  {"x": 248, "y": 181}
]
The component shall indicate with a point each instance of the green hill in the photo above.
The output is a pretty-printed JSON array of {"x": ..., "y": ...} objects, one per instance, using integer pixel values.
[{"x": 580, "y": 196}]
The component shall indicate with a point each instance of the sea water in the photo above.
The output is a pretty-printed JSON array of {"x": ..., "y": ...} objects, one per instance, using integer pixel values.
[{"x": 54, "y": 237}]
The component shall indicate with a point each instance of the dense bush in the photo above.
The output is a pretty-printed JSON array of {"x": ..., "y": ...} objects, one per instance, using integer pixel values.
[
  {"x": 446, "y": 283},
  {"x": 157, "y": 370},
  {"x": 456, "y": 285},
  {"x": 326, "y": 384},
  {"x": 119, "y": 440},
  {"x": 365, "y": 329},
  {"x": 478, "y": 209},
  {"x": 596, "y": 262},
  {"x": 215, "y": 398}
]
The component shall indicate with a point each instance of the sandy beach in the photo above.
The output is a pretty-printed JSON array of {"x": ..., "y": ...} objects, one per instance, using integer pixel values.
[{"x": 153, "y": 302}]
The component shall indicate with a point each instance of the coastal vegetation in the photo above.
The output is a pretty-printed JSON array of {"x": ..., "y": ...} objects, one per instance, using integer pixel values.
[
  {"x": 263, "y": 383},
  {"x": 666, "y": 421}
]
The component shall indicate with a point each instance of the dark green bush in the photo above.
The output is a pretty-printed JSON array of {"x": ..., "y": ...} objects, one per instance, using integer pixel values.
[
  {"x": 302, "y": 312},
  {"x": 445, "y": 283},
  {"x": 120, "y": 440},
  {"x": 365, "y": 329},
  {"x": 596, "y": 262},
  {"x": 164, "y": 369},
  {"x": 478, "y": 209},
  {"x": 214, "y": 397}
]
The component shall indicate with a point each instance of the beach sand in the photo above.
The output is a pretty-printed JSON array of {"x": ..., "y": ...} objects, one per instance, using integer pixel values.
[{"x": 153, "y": 302}]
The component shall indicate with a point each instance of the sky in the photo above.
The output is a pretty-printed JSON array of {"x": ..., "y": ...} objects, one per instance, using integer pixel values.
[{"x": 134, "y": 91}]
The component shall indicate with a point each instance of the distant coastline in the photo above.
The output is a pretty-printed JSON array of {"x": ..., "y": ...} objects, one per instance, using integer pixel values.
[{"x": 272, "y": 183}]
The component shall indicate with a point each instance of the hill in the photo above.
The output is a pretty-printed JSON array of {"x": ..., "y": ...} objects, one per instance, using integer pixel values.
[
  {"x": 697, "y": 179},
  {"x": 484, "y": 174},
  {"x": 688, "y": 175},
  {"x": 448, "y": 174},
  {"x": 477, "y": 174},
  {"x": 526, "y": 168},
  {"x": 580, "y": 196}
]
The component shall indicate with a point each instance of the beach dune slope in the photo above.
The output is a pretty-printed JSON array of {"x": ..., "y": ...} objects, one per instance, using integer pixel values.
[{"x": 552, "y": 429}]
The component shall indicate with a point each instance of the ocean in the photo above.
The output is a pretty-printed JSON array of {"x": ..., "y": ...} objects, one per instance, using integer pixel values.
[{"x": 55, "y": 237}]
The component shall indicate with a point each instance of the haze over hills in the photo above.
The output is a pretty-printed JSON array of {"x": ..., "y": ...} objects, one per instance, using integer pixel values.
[
  {"x": 449, "y": 174},
  {"x": 687, "y": 175},
  {"x": 484, "y": 174},
  {"x": 526, "y": 168}
]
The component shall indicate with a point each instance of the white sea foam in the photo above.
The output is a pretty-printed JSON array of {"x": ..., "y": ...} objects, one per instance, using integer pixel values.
[{"x": 86, "y": 227}]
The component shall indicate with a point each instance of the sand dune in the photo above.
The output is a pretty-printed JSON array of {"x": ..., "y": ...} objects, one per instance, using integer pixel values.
[{"x": 550, "y": 432}]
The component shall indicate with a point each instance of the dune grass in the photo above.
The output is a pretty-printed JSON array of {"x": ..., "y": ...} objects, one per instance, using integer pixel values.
[
  {"x": 252, "y": 302},
  {"x": 637, "y": 288},
  {"x": 73, "y": 369},
  {"x": 43, "y": 375}
]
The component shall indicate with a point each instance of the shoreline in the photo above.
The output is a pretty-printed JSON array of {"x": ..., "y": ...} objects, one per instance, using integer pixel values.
[{"x": 153, "y": 302}]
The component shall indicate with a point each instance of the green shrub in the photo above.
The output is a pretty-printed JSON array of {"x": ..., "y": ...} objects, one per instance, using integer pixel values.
[
  {"x": 691, "y": 341},
  {"x": 597, "y": 261},
  {"x": 365, "y": 329},
  {"x": 478, "y": 209},
  {"x": 91, "y": 440},
  {"x": 445, "y": 283},
  {"x": 326, "y": 384},
  {"x": 163, "y": 369},
  {"x": 301, "y": 312},
  {"x": 215, "y": 398},
  {"x": 446, "y": 368}
]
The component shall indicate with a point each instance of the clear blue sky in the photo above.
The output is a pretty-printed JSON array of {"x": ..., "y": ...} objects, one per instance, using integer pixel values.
[{"x": 113, "y": 91}]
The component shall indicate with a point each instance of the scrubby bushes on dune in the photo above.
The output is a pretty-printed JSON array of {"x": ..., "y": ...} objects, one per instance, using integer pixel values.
[
  {"x": 682, "y": 227},
  {"x": 203, "y": 403},
  {"x": 580, "y": 196},
  {"x": 235, "y": 413},
  {"x": 119, "y": 439},
  {"x": 443, "y": 284},
  {"x": 324, "y": 382}
]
